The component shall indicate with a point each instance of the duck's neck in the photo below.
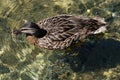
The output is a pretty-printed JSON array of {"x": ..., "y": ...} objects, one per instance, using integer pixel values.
[
  {"x": 33, "y": 39},
  {"x": 38, "y": 34}
]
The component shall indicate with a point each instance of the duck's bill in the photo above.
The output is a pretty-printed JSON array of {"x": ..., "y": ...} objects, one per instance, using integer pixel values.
[{"x": 16, "y": 32}]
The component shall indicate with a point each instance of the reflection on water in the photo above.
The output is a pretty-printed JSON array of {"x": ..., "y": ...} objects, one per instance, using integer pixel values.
[{"x": 21, "y": 61}]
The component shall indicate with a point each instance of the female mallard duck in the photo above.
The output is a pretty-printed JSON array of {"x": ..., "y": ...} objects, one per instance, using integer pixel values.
[{"x": 61, "y": 31}]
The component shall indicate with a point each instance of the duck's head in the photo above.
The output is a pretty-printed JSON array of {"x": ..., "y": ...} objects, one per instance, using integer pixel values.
[{"x": 30, "y": 28}]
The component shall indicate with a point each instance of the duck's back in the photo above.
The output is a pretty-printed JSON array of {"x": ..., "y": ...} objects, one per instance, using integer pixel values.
[{"x": 62, "y": 30}]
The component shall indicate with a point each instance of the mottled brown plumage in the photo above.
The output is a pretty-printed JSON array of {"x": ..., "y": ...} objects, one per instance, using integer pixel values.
[{"x": 61, "y": 31}]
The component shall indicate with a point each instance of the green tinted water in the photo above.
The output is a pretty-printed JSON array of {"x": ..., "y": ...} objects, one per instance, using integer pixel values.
[{"x": 21, "y": 61}]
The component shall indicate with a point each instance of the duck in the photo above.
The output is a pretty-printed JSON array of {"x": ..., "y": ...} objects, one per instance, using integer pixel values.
[{"x": 59, "y": 32}]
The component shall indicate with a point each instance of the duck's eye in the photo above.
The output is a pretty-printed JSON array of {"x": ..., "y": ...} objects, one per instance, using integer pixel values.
[{"x": 23, "y": 29}]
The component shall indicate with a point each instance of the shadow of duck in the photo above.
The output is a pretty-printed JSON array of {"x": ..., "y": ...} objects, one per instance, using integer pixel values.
[{"x": 102, "y": 54}]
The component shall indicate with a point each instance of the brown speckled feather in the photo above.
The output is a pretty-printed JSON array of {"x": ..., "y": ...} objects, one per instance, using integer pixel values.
[{"x": 62, "y": 30}]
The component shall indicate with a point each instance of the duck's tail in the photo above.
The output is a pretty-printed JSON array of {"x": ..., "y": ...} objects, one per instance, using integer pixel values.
[{"x": 99, "y": 25}]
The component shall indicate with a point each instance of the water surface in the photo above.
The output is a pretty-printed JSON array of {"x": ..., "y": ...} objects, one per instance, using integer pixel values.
[{"x": 94, "y": 61}]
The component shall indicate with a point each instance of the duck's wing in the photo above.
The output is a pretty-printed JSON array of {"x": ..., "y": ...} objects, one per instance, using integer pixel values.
[
  {"x": 61, "y": 31},
  {"x": 61, "y": 27}
]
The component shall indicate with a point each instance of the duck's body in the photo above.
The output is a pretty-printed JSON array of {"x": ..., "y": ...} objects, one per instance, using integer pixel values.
[{"x": 61, "y": 31}]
